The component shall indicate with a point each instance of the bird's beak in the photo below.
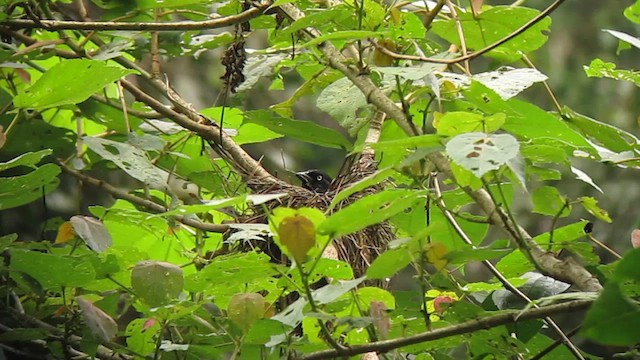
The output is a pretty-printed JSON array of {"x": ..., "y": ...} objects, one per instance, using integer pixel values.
[{"x": 304, "y": 176}]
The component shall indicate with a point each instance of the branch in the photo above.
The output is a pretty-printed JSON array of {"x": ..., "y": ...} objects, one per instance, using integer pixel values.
[
  {"x": 53, "y": 25},
  {"x": 457, "y": 329},
  {"x": 147, "y": 204},
  {"x": 474, "y": 54}
]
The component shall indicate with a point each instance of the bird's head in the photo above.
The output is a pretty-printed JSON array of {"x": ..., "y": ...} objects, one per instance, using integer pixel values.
[{"x": 314, "y": 180}]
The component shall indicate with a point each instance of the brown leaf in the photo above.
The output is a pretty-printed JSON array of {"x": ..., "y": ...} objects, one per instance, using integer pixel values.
[
  {"x": 380, "y": 318},
  {"x": 65, "y": 233},
  {"x": 102, "y": 326}
]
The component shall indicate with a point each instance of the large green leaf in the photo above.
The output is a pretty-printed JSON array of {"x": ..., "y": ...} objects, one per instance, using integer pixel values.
[
  {"x": 343, "y": 101},
  {"x": 131, "y": 159},
  {"x": 23, "y": 189},
  {"x": 486, "y": 28},
  {"x": 369, "y": 210},
  {"x": 26, "y": 159},
  {"x": 613, "y": 319},
  {"x": 60, "y": 85},
  {"x": 603, "y": 134},
  {"x": 525, "y": 119},
  {"x": 306, "y": 131},
  {"x": 52, "y": 271}
]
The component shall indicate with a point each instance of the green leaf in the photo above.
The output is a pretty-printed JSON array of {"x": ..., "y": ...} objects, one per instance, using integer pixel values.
[
  {"x": 481, "y": 153},
  {"x": 547, "y": 200},
  {"x": 27, "y": 159},
  {"x": 60, "y": 85},
  {"x": 525, "y": 119},
  {"x": 612, "y": 319},
  {"x": 477, "y": 254},
  {"x": 343, "y": 100},
  {"x": 306, "y": 131},
  {"x": 389, "y": 263},
  {"x": 369, "y": 210},
  {"x": 429, "y": 141},
  {"x": 633, "y": 12},
  {"x": 19, "y": 190},
  {"x": 132, "y": 160},
  {"x": 628, "y": 267},
  {"x": 343, "y": 35},
  {"x": 7, "y": 240},
  {"x": 602, "y": 134},
  {"x": 458, "y": 122},
  {"x": 601, "y": 69},
  {"x": 157, "y": 282},
  {"x": 563, "y": 234},
  {"x": 490, "y": 26},
  {"x": 373, "y": 179},
  {"x": 591, "y": 205},
  {"x": 52, "y": 271}
]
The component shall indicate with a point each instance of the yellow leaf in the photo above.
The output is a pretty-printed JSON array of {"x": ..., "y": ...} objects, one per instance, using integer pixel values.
[
  {"x": 65, "y": 233},
  {"x": 380, "y": 58},
  {"x": 298, "y": 234},
  {"x": 435, "y": 254}
]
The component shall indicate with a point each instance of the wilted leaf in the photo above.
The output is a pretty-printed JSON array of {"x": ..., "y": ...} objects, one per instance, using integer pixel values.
[
  {"x": 298, "y": 234},
  {"x": 102, "y": 326},
  {"x": 381, "y": 320},
  {"x": 245, "y": 309},
  {"x": 92, "y": 231},
  {"x": 156, "y": 282},
  {"x": 65, "y": 233}
]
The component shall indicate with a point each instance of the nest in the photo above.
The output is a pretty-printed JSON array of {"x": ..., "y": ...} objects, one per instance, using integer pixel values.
[{"x": 358, "y": 249}]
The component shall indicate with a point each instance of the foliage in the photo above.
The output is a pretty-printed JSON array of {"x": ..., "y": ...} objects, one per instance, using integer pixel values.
[{"x": 172, "y": 269}]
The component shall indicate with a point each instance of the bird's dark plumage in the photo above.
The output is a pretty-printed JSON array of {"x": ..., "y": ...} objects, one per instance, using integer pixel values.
[{"x": 315, "y": 180}]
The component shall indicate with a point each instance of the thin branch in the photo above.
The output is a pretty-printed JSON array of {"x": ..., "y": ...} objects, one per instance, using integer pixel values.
[
  {"x": 474, "y": 54},
  {"x": 457, "y": 329},
  {"x": 53, "y": 25},
  {"x": 433, "y": 13},
  {"x": 147, "y": 204}
]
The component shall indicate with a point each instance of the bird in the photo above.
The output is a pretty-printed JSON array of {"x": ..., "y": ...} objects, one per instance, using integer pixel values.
[{"x": 315, "y": 180}]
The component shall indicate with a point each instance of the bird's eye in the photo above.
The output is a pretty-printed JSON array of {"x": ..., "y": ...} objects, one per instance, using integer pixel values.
[{"x": 319, "y": 178}]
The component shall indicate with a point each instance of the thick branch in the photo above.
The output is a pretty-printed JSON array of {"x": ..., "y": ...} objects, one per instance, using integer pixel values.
[
  {"x": 137, "y": 26},
  {"x": 457, "y": 329}
]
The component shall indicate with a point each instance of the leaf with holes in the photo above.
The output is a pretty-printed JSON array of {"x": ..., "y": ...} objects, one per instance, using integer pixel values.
[{"x": 481, "y": 153}]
